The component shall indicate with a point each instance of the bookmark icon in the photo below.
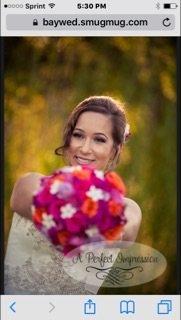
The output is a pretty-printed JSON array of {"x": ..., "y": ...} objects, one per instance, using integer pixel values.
[{"x": 127, "y": 306}]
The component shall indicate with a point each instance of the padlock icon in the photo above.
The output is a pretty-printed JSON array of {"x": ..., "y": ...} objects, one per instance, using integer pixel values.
[{"x": 35, "y": 22}]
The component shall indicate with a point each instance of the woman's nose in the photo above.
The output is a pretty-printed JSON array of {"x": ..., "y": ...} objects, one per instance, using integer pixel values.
[{"x": 86, "y": 146}]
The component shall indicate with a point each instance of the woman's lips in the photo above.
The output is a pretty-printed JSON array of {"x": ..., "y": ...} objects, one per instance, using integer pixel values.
[{"x": 82, "y": 161}]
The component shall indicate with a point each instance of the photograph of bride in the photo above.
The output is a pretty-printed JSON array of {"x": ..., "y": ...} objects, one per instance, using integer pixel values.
[{"x": 98, "y": 109}]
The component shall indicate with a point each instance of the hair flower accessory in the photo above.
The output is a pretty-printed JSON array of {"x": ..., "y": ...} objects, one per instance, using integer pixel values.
[
  {"x": 127, "y": 132},
  {"x": 79, "y": 205}
]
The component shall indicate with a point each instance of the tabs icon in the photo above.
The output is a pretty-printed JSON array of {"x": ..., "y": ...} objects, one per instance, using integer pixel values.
[{"x": 164, "y": 307}]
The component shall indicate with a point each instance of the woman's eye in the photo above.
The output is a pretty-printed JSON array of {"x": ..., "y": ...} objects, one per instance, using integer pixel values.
[
  {"x": 77, "y": 135},
  {"x": 99, "y": 139}
]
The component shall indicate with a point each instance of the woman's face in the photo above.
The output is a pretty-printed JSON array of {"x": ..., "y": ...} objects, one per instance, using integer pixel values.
[{"x": 91, "y": 142}]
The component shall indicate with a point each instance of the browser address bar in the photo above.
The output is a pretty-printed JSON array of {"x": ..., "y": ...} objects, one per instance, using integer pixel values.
[{"x": 92, "y": 22}]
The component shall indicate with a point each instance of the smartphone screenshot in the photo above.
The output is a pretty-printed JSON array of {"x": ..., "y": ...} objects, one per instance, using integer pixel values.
[{"x": 90, "y": 151}]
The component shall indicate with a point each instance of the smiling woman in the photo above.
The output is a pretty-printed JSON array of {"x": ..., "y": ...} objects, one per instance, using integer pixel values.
[
  {"x": 93, "y": 137},
  {"x": 94, "y": 133},
  {"x": 91, "y": 143}
]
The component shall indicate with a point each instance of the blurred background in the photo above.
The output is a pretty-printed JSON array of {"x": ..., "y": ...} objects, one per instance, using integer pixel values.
[{"x": 46, "y": 77}]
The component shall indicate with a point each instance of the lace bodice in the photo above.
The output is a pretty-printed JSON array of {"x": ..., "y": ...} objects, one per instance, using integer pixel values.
[{"x": 34, "y": 266}]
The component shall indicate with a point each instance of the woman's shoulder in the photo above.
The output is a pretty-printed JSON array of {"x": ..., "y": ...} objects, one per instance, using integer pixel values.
[
  {"x": 134, "y": 216},
  {"x": 28, "y": 179},
  {"x": 133, "y": 204},
  {"x": 23, "y": 191},
  {"x": 133, "y": 210},
  {"x": 30, "y": 176}
]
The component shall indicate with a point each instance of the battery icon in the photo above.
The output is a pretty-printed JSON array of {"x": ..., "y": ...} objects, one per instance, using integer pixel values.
[{"x": 170, "y": 5}]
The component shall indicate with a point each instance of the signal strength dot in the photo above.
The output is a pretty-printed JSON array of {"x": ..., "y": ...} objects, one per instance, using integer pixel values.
[{"x": 51, "y": 5}]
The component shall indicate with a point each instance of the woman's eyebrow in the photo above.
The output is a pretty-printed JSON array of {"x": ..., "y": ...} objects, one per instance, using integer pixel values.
[
  {"x": 100, "y": 133},
  {"x": 96, "y": 133},
  {"x": 79, "y": 129}
]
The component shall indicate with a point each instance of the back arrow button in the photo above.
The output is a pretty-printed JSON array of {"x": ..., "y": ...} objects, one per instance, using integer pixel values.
[{"x": 12, "y": 307}]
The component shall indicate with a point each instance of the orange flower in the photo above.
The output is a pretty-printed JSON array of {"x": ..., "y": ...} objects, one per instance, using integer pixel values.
[
  {"x": 115, "y": 208},
  {"x": 63, "y": 237},
  {"x": 89, "y": 207},
  {"x": 116, "y": 181},
  {"x": 114, "y": 233},
  {"x": 82, "y": 174},
  {"x": 37, "y": 215}
]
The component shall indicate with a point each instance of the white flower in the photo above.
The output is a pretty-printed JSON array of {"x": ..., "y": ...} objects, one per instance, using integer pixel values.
[
  {"x": 126, "y": 131},
  {"x": 48, "y": 221},
  {"x": 67, "y": 211},
  {"x": 95, "y": 193},
  {"x": 99, "y": 174},
  {"x": 55, "y": 187},
  {"x": 92, "y": 232}
]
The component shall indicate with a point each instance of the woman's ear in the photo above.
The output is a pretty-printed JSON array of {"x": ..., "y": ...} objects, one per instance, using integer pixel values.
[{"x": 117, "y": 151}]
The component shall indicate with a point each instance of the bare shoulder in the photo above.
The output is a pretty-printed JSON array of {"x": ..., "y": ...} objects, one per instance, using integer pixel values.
[
  {"x": 28, "y": 178},
  {"x": 31, "y": 176},
  {"x": 132, "y": 203},
  {"x": 134, "y": 208},
  {"x": 29, "y": 181},
  {"x": 23, "y": 190},
  {"x": 133, "y": 215}
]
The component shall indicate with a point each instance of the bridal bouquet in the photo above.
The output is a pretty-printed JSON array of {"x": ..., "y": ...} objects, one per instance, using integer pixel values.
[{"x": 78, "y": 205}]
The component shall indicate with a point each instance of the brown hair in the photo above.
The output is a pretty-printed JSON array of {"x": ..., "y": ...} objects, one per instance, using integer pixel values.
[{"x": 100, "y": 104}]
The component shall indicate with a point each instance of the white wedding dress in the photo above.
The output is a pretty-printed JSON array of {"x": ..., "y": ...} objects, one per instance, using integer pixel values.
[{"x": 34, "y": 266}]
